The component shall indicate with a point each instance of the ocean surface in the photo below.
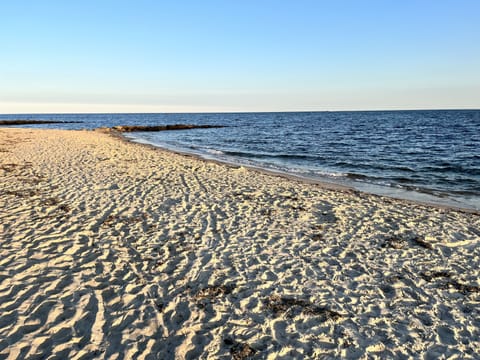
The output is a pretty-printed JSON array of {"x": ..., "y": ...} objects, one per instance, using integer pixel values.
[{"x": 426, "y": 155}]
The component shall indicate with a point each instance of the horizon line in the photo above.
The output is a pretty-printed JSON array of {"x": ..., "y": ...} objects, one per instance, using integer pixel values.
[{"x": 244, "y": 112}]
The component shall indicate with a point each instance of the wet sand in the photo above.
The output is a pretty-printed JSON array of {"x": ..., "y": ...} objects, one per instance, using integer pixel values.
[{"x": 110, "y": 249}]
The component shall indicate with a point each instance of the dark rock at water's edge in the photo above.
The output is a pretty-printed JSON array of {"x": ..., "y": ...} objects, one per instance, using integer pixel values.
[
  {"x": 163, "y": 127},
  {"x": 36, "y": 122}
]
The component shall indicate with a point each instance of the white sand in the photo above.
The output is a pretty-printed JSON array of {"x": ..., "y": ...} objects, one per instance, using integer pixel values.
[{"x": 119, "y": 251}]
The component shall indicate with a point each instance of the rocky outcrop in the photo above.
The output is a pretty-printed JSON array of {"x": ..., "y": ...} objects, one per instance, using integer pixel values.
[
  {"x": 133, "y": 128},
  {"x": 36, "y": 122}
]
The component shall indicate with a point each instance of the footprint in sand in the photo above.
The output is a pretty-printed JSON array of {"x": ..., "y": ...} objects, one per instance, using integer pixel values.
[{"x": 446, "y": 335}]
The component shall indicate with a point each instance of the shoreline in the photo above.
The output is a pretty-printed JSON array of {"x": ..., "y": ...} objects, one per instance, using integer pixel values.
[
  {"x": 114, "y": 248},
  {"x": 452, "y": 187},
  {"x": 304, "y": 179}
]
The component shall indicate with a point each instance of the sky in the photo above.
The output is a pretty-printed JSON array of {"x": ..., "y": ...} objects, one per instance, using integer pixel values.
[{"x": 250, "y": 55}]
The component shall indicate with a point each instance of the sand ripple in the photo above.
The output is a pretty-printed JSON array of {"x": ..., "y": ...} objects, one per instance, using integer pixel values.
[{"x": 119, "y": 251}]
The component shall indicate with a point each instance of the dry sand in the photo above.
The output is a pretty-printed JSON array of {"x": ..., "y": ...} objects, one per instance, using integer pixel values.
[{"x": 115, "y": 250}]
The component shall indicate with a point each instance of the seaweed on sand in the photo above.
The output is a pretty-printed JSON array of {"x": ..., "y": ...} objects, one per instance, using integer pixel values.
[
  {"x": 278, "y": 305},
  {"x": 214, "y": 291},
  {"x": 239, "y": 350},
  {"x": 447, "y": 282}
]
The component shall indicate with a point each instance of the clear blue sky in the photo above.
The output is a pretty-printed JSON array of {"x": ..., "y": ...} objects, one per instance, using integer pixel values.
[{"x": 169, "y": 56}]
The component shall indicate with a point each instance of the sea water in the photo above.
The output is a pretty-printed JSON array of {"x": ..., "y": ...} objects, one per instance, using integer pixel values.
[{"x": 428, "y": 155}]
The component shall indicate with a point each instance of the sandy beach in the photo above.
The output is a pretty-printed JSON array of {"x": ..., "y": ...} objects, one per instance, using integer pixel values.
[{"x": 116, "y": 250}]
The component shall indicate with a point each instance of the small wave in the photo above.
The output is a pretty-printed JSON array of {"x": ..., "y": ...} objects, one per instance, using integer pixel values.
[
  {"x": 333, "y": 175},
  {"x": 452, "y": 168},
  {"x": 279, "y": 156},
  {"x": 402, "y": 180},
  {"x": 214, "y": 152},
  {"x": 356, "y": 176},
  {"x": 404, "y": 168}
]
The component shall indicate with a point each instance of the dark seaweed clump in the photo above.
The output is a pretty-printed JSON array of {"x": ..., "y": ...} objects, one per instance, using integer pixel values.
[{"x": 280, "y": 305}]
